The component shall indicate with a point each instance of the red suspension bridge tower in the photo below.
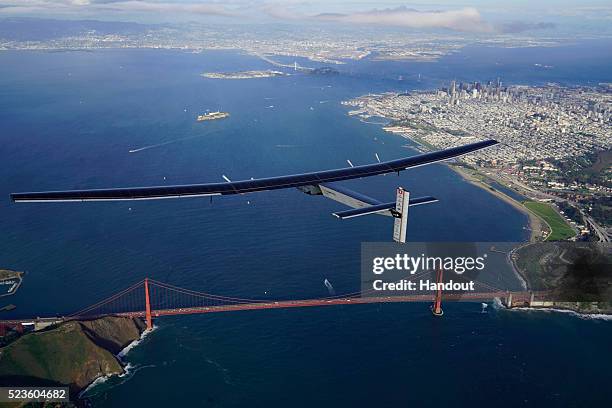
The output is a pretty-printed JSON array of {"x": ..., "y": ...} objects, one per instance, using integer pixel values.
[
  {"x": 436, "y": 309},
  {"x": 147, "y": 305}
]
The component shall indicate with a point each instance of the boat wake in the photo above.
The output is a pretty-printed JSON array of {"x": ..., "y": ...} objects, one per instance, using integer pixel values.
[
  {"x": 141, "y": 149},
  {"x": 329, "y": 287},
  {"x": 286, "y": 146},
  {"x": 224, "y": 371},
  {"x": 156, "y": 145}
]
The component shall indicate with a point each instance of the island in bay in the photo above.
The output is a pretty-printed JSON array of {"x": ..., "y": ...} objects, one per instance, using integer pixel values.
[{"x": 244, "y": 74}]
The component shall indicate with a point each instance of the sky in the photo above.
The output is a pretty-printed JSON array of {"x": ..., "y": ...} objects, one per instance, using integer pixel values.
[{"x": 477, "y": 16}]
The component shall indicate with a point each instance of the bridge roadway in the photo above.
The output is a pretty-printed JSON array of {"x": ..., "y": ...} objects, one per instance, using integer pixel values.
[
  {"x": 286, "y": 304},
  {"x": 278, "y": 64}
]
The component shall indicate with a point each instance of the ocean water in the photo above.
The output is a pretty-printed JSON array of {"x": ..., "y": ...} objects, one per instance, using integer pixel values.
[{"x": 70, "y": 120}]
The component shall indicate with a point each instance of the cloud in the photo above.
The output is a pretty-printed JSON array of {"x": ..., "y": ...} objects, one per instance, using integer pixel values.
[
  {"x": 165, "y": 7},
  {"x": 139, "y": 6},
  {"x": 282, "y": 12},
  {"x": 519, "y": 26},
  {"x": 599, "y": 13},
  {"x": 465, "y": 19}
]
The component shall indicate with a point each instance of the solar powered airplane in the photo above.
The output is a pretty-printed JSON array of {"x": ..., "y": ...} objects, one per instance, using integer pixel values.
[{"x": 315, "y": 183}]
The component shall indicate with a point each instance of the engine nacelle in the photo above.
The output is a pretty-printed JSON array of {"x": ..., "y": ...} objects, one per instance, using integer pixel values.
[{"x": 312, "y": 189}]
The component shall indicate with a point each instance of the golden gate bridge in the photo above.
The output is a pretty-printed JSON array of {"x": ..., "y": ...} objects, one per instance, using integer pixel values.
[{"x": 150, "y": 298}]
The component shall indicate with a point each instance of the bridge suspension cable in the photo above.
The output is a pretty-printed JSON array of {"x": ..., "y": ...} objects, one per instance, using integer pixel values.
[
  {"x": 106, "y": 301},
  {"x": 150, "y": 297}
]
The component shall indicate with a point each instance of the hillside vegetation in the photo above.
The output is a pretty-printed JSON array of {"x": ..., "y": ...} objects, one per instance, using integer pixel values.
[
  {"x": 560, "y": 229},
  {"x": 72, "y": 354}
]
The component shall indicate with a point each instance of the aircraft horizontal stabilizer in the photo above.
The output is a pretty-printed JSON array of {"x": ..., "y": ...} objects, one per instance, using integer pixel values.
[
  {"x": 372, "y": 209},
  {"x": 383, "y": 208}
]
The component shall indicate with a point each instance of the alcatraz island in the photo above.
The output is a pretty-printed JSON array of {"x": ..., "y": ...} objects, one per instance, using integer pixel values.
[{"x": 243, "y": 74}]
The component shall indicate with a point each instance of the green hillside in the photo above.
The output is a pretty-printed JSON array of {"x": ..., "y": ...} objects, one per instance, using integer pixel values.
[
  {"x": 73, "y": 354},
  {"x": 560, "y": 228}
]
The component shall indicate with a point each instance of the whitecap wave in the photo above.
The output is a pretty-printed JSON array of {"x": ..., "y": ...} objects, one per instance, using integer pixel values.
[
  {"x": 136, "y": 342},
  {"x": 497, "y": 304},
  {"x": 586, "y": 316},
  {"x": 128, "y": 370},
  {"x": 96, "y": 382}
]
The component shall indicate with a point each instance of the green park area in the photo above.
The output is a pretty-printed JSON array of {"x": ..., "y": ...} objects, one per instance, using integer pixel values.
[{"x": 560, "y": 229}]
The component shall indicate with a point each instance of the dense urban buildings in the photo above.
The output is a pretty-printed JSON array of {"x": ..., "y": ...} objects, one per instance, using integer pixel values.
[{"x": 555, "y": 140}]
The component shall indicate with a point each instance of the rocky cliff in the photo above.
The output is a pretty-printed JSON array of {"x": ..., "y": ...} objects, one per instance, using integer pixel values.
[{"x": 72, "y": 354}]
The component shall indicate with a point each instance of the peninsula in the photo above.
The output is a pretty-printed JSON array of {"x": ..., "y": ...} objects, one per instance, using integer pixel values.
[
  {"x": 575, "y": 274},
  {"x": 73, "y": 353}
]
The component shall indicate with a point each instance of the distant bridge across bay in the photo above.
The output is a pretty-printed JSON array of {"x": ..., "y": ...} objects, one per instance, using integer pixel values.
[{"x": 295, "y": 66}]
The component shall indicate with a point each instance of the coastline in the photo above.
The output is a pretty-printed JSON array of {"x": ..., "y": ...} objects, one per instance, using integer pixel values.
[
  {"x": 556, "y": 309},
  {"x": 535, "y": 224},
  {"x": 473, "y": 176},
  {"x": 120, "y": 357},
  {"x": 96, "y": 347}
]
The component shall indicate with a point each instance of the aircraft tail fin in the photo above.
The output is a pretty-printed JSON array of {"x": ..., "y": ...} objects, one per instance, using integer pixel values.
[{"x": 400, "y": 225}]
